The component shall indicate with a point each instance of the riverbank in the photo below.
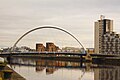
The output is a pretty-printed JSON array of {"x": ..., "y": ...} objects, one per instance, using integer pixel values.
[{"x": 15, "y": 75}]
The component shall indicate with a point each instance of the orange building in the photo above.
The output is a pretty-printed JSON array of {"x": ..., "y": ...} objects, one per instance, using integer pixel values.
[
  {"x": 40, "y": 47},
  {"x": 50, "y": 47}
]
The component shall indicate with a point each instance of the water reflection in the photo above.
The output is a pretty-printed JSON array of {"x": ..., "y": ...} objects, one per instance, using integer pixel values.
[
  {"x": 41, "y": 69},
  {"x": 108, "y": 74}
]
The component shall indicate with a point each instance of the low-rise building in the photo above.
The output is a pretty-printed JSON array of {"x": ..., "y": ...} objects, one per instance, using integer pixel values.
[
  {"x": 90, "y": 50},
  {"x": 71, "y": 49}
]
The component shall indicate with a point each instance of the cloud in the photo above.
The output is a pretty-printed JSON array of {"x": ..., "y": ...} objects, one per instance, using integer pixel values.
[{"x": 76, "y": 16}]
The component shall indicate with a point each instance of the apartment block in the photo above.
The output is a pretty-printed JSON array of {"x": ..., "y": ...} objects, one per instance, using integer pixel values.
[
  {"x": 101, "y": 27},
  {"x": 40, "y": 47},
  {"x": 106, "y": 41},
  {"x": 111, "y": 43},
  {"x": 50, "y": 47}
]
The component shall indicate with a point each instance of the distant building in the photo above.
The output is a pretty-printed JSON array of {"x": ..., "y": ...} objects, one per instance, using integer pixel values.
[
  {"x": 50, "y": 47},
  {"x": 24, "y": 49},
  {"x": 40, "y": 47},
  {"x": 71, "y": 49},
  {"x": 90, "y": 50},
  {"x": 19, "y": 49}
]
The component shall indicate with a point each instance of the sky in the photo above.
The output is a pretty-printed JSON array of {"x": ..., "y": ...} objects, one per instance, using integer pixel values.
[{"x": 75, "y": 16}]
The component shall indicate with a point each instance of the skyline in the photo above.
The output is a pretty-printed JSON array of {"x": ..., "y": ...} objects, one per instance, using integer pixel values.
[{"x": 17, "y": 17}]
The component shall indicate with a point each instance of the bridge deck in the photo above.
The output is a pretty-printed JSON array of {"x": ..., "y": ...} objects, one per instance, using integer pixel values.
[{"x": 56, "y": 54}]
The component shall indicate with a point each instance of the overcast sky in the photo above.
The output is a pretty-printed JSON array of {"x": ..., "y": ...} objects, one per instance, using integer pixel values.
[{"x": 75, "y": 16}]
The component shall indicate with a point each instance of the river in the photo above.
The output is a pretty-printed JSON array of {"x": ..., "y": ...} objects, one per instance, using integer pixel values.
[{"x": 40, "y": 69}]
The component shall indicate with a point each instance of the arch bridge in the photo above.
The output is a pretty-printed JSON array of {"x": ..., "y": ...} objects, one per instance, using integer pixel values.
[
  {"x": 57, "y": 28},
  {"x": 49, "y": 27}
]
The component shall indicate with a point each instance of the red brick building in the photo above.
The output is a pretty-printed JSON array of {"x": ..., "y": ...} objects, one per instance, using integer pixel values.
[
  {"x": 40, "y": 47},
  {"x": 50, "y": 47}
]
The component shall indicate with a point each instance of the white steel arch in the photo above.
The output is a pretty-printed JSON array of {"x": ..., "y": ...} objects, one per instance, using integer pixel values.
[{"x": 52, "y": 27}]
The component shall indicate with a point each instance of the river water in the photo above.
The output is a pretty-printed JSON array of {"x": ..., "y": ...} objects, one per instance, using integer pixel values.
[{"x": 40, "y": 69}]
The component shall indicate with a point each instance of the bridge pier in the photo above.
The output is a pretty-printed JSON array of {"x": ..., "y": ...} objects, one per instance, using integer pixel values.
[
  {"x": 88, "y": 57},
  {"x": 81, "y": 60},
  {"x": 9, "y": 58}
]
